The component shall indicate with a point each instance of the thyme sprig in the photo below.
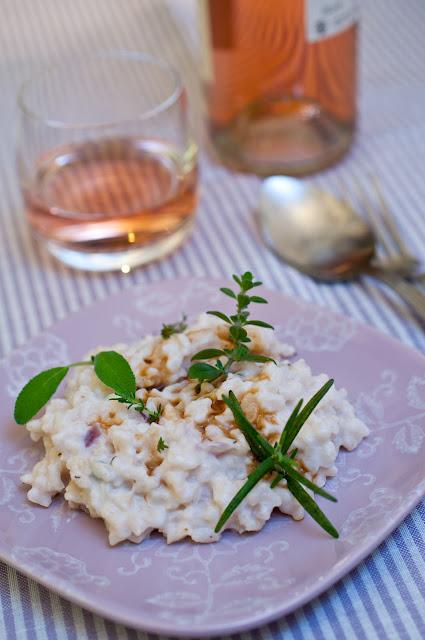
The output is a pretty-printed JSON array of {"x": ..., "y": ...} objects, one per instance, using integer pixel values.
[
  {"x": 169, "y": 330},
  {"x": 238, "y": 335},
  {"x": 162, "y": 445},
  {"x": 139, "y": 405},
  {"x": 277, "y": 459}
]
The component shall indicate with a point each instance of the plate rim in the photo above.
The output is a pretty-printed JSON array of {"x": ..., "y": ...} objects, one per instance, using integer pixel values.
[
  {"x": 229, "y": 628},
  {"x": 157, "y": 626}
]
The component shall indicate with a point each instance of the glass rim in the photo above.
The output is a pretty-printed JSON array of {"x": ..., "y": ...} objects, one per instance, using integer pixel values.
[{"x": 163, "y": 105}]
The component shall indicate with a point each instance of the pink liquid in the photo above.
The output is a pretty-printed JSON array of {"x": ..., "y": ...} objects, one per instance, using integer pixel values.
[{"x": 111, "y": 195}]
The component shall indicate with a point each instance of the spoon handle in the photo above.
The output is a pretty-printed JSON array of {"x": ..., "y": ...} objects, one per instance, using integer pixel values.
[{"x": 407, "y": 291}]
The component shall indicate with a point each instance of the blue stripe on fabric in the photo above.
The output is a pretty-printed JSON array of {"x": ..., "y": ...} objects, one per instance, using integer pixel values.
[{"x": 36, "y": 291}]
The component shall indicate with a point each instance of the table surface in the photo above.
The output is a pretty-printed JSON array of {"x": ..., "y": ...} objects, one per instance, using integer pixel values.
[{"x": 35, "y": 290}]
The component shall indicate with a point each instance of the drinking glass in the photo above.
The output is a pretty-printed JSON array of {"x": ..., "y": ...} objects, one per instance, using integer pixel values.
[{"x": 106, "y": 163}]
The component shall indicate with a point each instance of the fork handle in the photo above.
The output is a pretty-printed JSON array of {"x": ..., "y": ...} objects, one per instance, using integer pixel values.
[{"x": 407, "y": 291}]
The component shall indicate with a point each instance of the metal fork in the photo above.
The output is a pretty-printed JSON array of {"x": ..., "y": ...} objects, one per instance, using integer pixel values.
[
  {"x": 398, "y": 263},
  {"x": 400, "y": 256}
]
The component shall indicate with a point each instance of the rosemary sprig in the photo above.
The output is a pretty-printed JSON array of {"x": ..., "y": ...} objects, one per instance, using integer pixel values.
[
  {"x": 254, "y": 478},
  {"x": 238, "y": 334},
  {"x": 277, "y": 459},
  {"x": 176, "y": 327}
]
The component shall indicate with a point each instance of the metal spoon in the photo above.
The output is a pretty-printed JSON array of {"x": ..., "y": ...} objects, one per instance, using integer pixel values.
[{"x": 323, "y": 236}]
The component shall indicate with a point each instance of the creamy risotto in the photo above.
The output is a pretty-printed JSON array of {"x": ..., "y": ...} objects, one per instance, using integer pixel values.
[{"x": 104, "y": 456}]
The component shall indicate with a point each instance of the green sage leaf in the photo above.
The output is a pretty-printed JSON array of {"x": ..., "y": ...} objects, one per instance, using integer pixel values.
[
  {"x": 37, "y": 392},
  {"x": 115, "y": 372}
]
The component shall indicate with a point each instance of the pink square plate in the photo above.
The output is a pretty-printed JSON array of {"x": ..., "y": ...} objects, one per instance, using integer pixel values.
[{"x": 242, "y": 581}]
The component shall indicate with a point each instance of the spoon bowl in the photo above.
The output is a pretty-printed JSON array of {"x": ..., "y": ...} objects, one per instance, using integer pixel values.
[{"x": 314, "y": 231}]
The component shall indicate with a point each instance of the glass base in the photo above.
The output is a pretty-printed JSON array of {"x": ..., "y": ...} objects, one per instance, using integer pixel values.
[
  {"x": 123, "y": 261},
  {"x": 286, "y": 137}
]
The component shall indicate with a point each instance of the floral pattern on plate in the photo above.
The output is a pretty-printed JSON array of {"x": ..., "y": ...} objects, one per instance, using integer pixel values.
[{"x": 241, "y": 581}]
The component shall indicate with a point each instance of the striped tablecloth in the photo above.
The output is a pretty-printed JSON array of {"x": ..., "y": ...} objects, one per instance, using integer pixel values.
[{"x": 385, "y": 596}]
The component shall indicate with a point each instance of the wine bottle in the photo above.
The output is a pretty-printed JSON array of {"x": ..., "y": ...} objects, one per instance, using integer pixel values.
[{"x": 280, "y": 82}]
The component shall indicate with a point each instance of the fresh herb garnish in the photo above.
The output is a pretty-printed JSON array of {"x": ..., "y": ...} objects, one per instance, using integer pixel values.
[
  {"x": 110, "y": 367},
  {"x": 238, "y": 334},
  {"x": 162, "y": 445},
  {"x": 151, "y": 415},
  {"x": 276, "y": 459},
  {"x": 39, "y": 390},
  {"x": 171, "y": 329},
  {"x": 114, "y": 371}
]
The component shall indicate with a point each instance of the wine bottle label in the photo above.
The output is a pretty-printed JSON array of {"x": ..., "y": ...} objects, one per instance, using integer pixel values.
[
  {"x": 206, "y": 64},
  {"x": 216, "y": 25},
  {"x": 326, "y": 18}
]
